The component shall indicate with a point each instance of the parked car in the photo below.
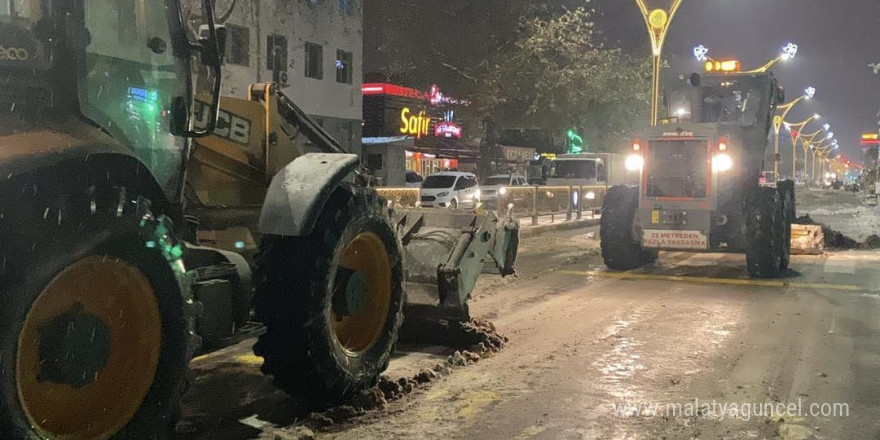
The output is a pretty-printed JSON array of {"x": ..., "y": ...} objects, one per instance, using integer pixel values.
[
  {"x": 497, "y": 185},
  {"x": 450, "y": 189},
  {"x": 413, "y": 179}
]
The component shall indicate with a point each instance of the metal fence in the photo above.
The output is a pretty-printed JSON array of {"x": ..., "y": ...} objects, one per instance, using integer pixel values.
[{"x": 559, "y": 203}]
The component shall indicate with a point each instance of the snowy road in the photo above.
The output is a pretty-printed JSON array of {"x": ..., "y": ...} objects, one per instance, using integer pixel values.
[
  {"x": 588, "y": 347},
  {"x": 843, "y": 211}
]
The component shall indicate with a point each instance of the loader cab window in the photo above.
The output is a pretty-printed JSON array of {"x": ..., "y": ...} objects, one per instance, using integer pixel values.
[
  {"x": 19, "y": 11},
  {"x": 130, "y": 75}
]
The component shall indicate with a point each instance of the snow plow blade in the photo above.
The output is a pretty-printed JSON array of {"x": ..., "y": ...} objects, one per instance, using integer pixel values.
[{"x": 445, "y": 253}]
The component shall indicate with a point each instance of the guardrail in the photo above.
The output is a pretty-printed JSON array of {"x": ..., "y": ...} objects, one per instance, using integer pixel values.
[{"x": 558, "y": 202}]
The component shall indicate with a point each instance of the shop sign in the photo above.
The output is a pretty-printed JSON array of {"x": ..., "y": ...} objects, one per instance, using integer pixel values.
[
  {"x": 414, "y": 124},
  {"x": 448, "y": 129},
  {"x": 518, "y": 154}
]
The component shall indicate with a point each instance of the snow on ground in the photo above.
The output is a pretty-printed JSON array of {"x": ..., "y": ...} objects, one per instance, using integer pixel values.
[{"x": 842, "y": 211}]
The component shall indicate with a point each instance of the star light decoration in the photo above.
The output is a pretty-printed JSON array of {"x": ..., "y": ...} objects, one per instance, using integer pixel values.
[
  {"x": 827, "y": 127},
  {"x": 810, "y": 92},
  {"x": 789, "y": 51},
  {"x": 701, "y": 53}
]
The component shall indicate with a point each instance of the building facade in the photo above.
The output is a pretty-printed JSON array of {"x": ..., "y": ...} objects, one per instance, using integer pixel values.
[
  {"x": 406, "y": 129},
  {"x": 313, "y": 49}
]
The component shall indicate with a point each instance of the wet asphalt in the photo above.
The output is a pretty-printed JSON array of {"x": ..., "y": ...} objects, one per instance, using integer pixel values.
[{"x": 588, "y": 347}]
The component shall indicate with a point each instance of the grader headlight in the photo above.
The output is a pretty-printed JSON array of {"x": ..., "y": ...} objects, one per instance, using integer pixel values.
[
  {"x": 722, "y": 162},
  {"x": 634, "y": 162}
]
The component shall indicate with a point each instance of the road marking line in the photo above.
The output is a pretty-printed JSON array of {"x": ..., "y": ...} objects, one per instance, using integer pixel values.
[
  {"x": 708, "y": 280},
  {"x": 847, "y": 267}
]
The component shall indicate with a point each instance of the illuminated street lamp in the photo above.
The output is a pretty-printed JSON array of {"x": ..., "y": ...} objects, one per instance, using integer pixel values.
[
  {"x": 807, "y": 143},
  {"x": 788, "y": 52},
  {"x": 658, "y": 20},
  {"x": 823, "y": 153},
  {"x": 794, "y": 130},
  {"x": 779, "y": 120},
  {"x": 701, "y": 53}
]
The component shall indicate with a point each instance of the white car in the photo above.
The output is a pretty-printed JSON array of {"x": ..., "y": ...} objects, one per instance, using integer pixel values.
[
  {"x": 497, "y": 185},
  {"x": 450, "y": 189}
]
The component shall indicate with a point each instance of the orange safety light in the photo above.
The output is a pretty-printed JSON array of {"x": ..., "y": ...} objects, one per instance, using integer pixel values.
[
  {"x": 723, "y": 66},
  {"x": 636, "y": 146}
]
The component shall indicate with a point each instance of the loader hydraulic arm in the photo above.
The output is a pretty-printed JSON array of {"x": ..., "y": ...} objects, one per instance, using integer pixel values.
[{"x": 296, "y": 117}]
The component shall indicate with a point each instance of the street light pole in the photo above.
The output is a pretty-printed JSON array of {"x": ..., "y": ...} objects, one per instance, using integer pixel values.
[
  {"x": 788, "y": 52},
  {"x": 778, "y": 120},
  {"x": 658, "y": 21},
  {"x": 794, "y": 130},
  {"x": 807, "y": 144}
]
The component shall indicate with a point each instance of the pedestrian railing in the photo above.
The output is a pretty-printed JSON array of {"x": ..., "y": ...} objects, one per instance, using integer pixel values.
[{"x": 559, "y": 203}]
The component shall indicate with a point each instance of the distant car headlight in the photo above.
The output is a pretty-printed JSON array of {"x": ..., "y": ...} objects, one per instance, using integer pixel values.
[
  {"x": 722, "y": 162},
  {"x": 502, "y": 190},
  {"x": 443, "y": 194},
  {"x": 634, "y": 162}
]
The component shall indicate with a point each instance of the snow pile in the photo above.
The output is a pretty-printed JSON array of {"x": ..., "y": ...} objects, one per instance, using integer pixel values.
[{"x": 842, "y": 212}]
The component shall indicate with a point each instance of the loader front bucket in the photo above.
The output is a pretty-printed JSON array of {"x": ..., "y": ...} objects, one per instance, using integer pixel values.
[{"x": 445, "y": 253}]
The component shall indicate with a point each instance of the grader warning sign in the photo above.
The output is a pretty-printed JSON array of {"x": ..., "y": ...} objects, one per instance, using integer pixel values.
[{"x": 653, "y": 238}]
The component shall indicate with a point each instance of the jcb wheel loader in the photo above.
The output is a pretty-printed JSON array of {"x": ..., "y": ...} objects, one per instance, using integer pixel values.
[
  {"x": 105, "y": 293},
  {"x": 322, "y": 300}
]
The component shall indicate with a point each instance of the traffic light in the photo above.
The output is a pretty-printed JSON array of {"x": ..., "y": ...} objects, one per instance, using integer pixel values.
[{"x": 575, "y": 142}]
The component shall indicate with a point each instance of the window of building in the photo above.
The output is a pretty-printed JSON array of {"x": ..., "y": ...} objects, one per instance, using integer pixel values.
[
  {"x": 238, "y": 45},
  {"x": 345, "y": 6},
  {"x": 374, "y": 162},
  {"x": 314, "y": 61},
  {"x": 276, "y": 52},
  {"x": 344, "y": 67}
]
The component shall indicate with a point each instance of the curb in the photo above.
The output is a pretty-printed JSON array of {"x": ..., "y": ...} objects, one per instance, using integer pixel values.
[{"x": 535, "y": 231}]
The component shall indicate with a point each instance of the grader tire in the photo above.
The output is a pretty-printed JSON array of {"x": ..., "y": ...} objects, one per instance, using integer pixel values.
[
  {"x": 765, "y": 233},
  {"x": 619, "y": 250},
  {"x": 332, "y": 302},
  {"x": 787, "y": 196},
  {"x": 93, "y": 341}
]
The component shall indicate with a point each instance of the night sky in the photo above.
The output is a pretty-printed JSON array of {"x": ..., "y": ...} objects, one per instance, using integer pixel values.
[{"x": 836, "y": 40}]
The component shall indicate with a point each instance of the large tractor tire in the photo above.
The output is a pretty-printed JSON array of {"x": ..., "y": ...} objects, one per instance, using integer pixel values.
[
  {"x": 332, "y": 302},
  {"x": 765, "y": 233},
  {"x": 787, "y": 196},
  {"x": 620, "y": 250},
  {"x": 93, "y": 338}
]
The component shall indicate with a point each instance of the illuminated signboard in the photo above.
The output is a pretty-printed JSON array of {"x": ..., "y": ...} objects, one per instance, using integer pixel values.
[
  {"x": 392, "y": 110},
  {"x": 870, "y": 139},
  {"x": 448, "y": 129},
  {"x": 414, "y": 124}
]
